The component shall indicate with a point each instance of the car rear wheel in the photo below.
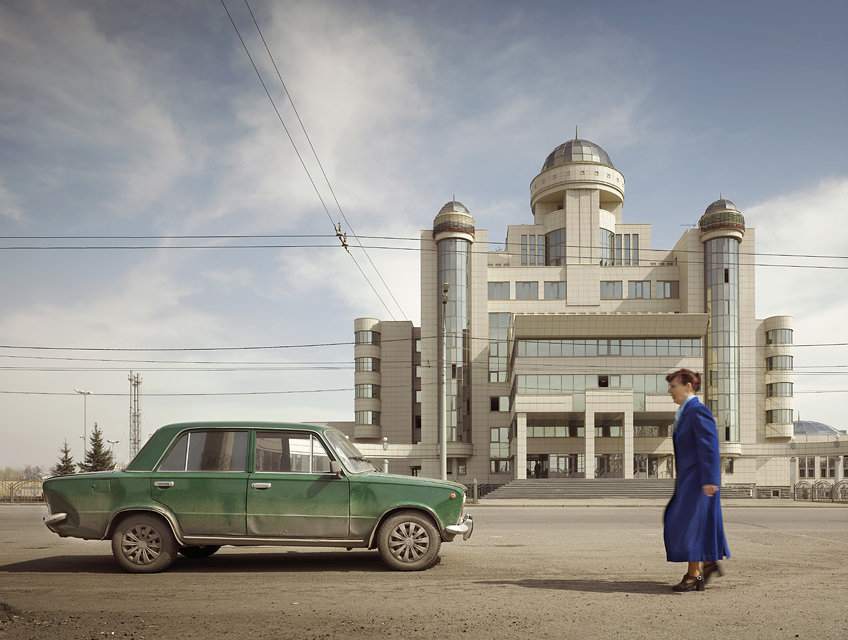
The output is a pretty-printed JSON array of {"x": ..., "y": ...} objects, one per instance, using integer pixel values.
[
  {"x": 143, "y": 543},
  {"x": 199, "y": 552},
  {"x": 409, "y": 541}
]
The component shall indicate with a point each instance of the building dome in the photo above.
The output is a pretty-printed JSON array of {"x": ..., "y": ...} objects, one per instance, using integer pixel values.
[
  {"x": 453, "y": 218},
  {"x": 722, "y": 214},
  {"x": 577, "y": 151},
  {"x": 810, "y": 428}
]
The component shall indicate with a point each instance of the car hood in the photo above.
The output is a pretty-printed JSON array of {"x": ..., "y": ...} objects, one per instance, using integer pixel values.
[{"x": 417, "y": 481}]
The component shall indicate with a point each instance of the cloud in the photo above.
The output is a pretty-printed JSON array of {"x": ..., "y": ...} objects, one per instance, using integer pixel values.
[
  {"x": 807, "y": 222},
  {"x": 8, "y": 205}
]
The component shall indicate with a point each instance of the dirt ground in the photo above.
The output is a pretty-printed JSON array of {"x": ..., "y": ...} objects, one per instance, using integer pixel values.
[{"x": 526, "y": 573}]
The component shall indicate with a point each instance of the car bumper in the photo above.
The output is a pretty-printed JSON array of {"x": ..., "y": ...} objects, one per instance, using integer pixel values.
[
  {"x": 51, "y": 520},
  {"x": 464, "y": 528}
]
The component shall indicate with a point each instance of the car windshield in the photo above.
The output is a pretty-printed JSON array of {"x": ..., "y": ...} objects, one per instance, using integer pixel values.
[{"x": 348, "y": 454}]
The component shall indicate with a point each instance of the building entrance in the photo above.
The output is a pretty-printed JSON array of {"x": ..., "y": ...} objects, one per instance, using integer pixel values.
[
  {"x": 555, "y": 465},
  {"x": 648, "y": 466}
]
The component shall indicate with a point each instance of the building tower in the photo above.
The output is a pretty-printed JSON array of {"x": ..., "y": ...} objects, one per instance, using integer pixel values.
[
  {"x": 453, "y": 233},
  {"x": 721, "y": 230}
]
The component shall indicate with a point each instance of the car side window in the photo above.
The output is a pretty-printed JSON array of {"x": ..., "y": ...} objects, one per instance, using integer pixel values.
[
  {"x": 290, "y": 453},
  {"x": 208, "y": 451}
]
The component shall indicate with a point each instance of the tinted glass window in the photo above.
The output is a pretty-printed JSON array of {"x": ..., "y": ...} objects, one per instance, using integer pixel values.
[
  {"x": 208, "y": 451},
  {"x": 290, "y": 453}
]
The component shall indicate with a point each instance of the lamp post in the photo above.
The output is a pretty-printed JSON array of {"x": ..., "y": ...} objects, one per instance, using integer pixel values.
[
  {"x": 84, "y": 395},
  {"x": 443, "y": 450}
]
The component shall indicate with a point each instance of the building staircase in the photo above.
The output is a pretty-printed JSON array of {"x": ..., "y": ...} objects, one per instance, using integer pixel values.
[{"x": 581, "y": 489}]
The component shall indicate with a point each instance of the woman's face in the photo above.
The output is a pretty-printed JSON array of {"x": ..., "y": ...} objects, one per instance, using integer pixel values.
[{"x": 679, "y": 392}]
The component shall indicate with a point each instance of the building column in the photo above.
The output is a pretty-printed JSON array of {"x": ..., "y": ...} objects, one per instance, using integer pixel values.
[
  {"x": 628, "y": 445},
  {"x": 521, "y": 446},
  {"x": 589, "y": 452},
  {"x": 839, "y": 462}
]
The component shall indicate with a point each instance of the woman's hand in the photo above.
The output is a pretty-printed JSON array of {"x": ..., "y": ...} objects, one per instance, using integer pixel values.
[{"x": 710, "y": 490}]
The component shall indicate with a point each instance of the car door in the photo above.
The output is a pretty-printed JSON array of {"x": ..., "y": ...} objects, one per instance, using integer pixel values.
[
  {"x": 203, "y": 481},
  {"x": 292, "y": 493}
]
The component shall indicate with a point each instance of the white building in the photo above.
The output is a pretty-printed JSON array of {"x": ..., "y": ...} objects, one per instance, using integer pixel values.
[{"x": 556, "y": 348}]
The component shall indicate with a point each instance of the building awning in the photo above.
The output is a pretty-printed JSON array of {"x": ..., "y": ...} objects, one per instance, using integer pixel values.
[{"x": 613, "y": 325}]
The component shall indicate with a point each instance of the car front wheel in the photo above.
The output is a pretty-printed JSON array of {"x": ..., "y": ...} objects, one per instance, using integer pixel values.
[
  {"x": 143, "y": 543},
  {"x": 409, "y": 541}
]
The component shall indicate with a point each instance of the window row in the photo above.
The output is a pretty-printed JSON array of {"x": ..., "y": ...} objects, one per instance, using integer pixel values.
[
  {"x": 570, "y": 383},
  {"x": 639, "y": 289},
  {"x": 827, "y": 466},
  {"x": 677, "y": 347}
]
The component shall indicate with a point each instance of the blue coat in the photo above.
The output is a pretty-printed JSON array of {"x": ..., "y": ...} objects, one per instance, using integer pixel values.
[{"x": 693, "y": 528}]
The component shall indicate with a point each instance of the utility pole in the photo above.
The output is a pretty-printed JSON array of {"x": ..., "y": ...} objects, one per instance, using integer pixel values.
[
  {"x": 443, "y": 432},
  {"x": 135, "y": 414}
]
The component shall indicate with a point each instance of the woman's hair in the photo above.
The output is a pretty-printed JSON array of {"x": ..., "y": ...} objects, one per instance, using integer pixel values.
[{"x": 686, "y": 377}]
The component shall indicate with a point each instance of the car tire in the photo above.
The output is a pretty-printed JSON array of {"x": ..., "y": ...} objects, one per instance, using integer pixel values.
[
  {"x": 409, "y": 541},
  {"x": 143, "y": 543},
  {"x": 199, "y": 552}
]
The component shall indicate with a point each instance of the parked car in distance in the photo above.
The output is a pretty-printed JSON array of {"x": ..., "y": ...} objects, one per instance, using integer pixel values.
[{"x": 195, "y": 487}]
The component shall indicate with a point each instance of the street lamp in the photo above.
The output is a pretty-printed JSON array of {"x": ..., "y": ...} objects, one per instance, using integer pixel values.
[{"x": 84, "y": 395}]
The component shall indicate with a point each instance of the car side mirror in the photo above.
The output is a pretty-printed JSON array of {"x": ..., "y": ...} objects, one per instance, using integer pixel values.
[{"x": 336, "y": 467}]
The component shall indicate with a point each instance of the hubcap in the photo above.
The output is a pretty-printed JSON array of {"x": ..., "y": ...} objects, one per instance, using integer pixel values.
[
  {"x": 141, "y": 544},
  {"x": 409, "y": 541}
]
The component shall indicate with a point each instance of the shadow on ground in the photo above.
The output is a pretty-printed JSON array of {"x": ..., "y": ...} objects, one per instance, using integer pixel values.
[
  {"x": 222, "y": 562},
  {"x": 591, "y": 586}
]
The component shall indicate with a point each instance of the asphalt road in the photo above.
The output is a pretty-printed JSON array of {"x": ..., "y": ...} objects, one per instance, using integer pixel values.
[{"x": 531, "y": 572}]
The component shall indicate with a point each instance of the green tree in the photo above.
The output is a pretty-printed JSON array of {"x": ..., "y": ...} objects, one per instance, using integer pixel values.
[
  {"x": 98, "y": 457},
  {"x": 65, "y": 466}
]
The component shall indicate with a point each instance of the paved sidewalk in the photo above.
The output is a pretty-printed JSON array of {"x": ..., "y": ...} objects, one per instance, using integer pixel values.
[{"x": 651, "y": 502}]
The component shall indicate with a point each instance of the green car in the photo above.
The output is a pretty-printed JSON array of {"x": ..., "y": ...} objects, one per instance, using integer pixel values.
[{"x": 197, "y": 486}]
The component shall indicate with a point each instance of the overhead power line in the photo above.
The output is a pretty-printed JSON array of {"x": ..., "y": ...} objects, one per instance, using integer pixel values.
[{"x": 299, "y": 156}]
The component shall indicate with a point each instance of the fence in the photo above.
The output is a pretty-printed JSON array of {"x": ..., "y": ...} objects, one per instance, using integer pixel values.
[
  {"x": 821, "y": 491},
  {"x": 20, "y": 491}
]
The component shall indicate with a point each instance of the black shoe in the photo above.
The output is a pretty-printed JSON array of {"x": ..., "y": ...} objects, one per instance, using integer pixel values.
[
  {"x": 710, "y": 568},
  {"x": 690, "y": 583}
]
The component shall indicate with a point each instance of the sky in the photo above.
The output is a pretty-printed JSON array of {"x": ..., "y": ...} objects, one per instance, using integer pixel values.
[{"x": 126, "y": 127}]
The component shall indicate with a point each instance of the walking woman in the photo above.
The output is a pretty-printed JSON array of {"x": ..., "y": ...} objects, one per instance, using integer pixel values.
[{"x": 693, "y": 529}]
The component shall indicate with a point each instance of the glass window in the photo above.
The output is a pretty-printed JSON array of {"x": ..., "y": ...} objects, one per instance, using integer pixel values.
[
  {"x": 208, "y": 451},
  {"x": 610, "y": 289},
  {"x": 499, "y": 291},
  {"x": 779, "y": 390},
  {"x": 828, "y": 466},
  {"x": 290, "y": 453},
  {"x": 366, "y": 364},
  {"x": 779, "y": 416},
  {"x": 367, "y": 417},
  {"x": 461, "y": 466},
  {"x": 779, "y": 363},
  {"x": 499, "y": 403},
  {"x": 668, "y": 289},
  {"x": 555, "y": 291},
  {"x": 526, "y": 290},
  {"x": 555, "y": 248},
  {"x": 366, "y": 391},
  {"x": 366, "y": 337},
  {"x": 639, "y": 289},
  {"x": 523, "y": 251},
  {"x": 779, "y": 336},
  {"x": 806, "y": 467}
]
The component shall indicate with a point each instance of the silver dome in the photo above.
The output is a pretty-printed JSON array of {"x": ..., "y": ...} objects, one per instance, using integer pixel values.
[{"x": 577, "y": 151}]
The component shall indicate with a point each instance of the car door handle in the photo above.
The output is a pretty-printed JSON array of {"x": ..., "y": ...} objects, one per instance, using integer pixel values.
[
  {"x": 164, "y": 484},
  {"x": 260, "y": 485}
]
